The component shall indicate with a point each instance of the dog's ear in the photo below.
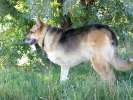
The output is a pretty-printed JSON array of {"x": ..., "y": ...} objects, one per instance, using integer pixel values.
[{"x": 39, "y": 23}]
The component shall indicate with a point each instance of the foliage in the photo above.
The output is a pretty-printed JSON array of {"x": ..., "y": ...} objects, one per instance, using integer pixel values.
[{"x": 111, "y": 12}]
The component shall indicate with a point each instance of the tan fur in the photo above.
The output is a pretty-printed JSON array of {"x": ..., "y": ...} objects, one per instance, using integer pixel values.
[{"x": 95, "y": 46}]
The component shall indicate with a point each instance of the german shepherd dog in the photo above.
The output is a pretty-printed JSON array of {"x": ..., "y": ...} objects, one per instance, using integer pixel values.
[{"x": 95, "y": 43}]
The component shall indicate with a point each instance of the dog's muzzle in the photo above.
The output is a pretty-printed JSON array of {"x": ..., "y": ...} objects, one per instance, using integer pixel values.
[{"x": 30, "y": 41}]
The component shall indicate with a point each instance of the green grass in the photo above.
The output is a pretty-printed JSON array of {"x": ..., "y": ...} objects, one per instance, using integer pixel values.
[
  {"x": 40, "y": 79},
  {"x": 19, "y": 84}
]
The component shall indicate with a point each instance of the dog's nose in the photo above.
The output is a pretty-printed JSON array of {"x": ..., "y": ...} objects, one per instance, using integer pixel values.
[{"x": 30, "y": 41}]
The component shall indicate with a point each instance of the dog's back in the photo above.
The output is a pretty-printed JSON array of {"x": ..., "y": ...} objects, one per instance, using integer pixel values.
[{"x": 94, "y": 32}]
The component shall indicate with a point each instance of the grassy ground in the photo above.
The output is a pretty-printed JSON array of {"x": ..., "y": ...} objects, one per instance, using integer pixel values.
[
  {"x": 39, "y": 80},
  {"x": 84, "y": 84}
]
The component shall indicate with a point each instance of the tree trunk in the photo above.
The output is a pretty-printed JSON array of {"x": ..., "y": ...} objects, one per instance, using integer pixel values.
[
  {"x": 87, "y": 2},
  {"x": 66, "y": 20}
]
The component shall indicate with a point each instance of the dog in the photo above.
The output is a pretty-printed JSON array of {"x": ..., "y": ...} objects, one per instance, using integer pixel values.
[{"x": 96, "y": 43}]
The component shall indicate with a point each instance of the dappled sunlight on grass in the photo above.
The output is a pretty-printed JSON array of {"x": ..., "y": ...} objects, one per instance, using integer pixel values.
[{"x": 24, "y": 60}]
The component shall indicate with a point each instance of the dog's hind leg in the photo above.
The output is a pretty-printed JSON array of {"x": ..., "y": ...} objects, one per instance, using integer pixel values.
[
  {"x": 64, "y": 73},
  {"x": 103, "y": 69}
]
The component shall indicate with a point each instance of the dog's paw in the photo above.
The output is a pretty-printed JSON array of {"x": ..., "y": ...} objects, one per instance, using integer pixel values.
[
  {"x": 130, "y": 59},
  {"x": 64, "y": 79}
]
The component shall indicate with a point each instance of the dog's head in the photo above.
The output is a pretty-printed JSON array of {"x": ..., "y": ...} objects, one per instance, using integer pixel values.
[{"x": 35, "y": 33}]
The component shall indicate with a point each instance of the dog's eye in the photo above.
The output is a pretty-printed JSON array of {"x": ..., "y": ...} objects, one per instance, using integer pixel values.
[{"x": 31, "y": 32}]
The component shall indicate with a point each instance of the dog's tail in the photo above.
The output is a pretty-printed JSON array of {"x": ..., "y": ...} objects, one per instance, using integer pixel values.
[{"x": 122, "y": 65}]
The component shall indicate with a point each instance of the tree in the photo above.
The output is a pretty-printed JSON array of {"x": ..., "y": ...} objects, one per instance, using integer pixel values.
[{"x": 73, "y": 13}]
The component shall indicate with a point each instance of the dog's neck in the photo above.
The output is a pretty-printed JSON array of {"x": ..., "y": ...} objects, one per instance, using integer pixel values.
[
  {"x": 45, "y": 32},
  {"x": 50, "y": 37}
]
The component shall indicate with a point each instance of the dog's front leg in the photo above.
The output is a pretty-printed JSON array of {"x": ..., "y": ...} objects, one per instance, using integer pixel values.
[{"x": 64, "y": 73}]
